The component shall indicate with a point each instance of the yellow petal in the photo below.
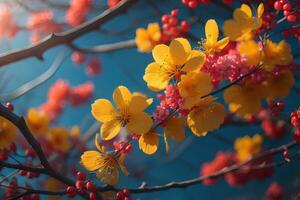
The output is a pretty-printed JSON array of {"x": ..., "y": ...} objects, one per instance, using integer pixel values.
[
  {"x": 110, "y": 129},
  {"x": 91, "y": 160},
  {"x": 122, "y": 165},
  {"x": 148, "y": 143},
  {"x": 195, "y": 61},
  {"x": 103, "y": 110},
  {"x": 204, "y": 119},
  {"x": 260, "y": 10},
  {"x": 232, "y": 30},
  {"x": 221, "y": 44},
  {"x": 155, "y": 77},
  {"x": 174, "y": 127},
  {"x": 139, "y": 123},
  {"x": 161, "y": 54},
  {"x": 138, "y": 103},
  {"x": 243, "y": 14},
  {"x": 279, "y": 86},
  {"x": 122, "y": 97},
  {"x": 251, "y": 50},
  {"x": 180, "y": 50},
  {"x": 166, "y": 141},
  {"x": 211, "y": 31}
]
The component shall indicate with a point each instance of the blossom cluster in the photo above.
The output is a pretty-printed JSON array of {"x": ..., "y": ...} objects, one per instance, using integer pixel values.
[{"x": 61, "y": 93}]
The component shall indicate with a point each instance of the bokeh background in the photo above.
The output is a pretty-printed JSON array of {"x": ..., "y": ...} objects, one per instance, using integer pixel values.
[{"x": 126, "y": 67}]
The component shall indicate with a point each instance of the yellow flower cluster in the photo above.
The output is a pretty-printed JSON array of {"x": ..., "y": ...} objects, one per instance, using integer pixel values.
[
  {"x": 39, "y": 125},
  {"x": 246, "y": 147},
  {"x": 146, "y": 39},
  {"x": 7, "y": 133},
  {"x": 245, "y": 99}
]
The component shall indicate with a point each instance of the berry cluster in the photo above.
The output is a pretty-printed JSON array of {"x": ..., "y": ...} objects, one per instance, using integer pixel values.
[
  {"x": 62, "y": 93},
  {"x": 290, "y": 14},
  {"x": 123, "y": 195},
  {"x": 81, "y": 186},
  {"x": 295, "y": 121},
  {"x": 172, "y": 28}
]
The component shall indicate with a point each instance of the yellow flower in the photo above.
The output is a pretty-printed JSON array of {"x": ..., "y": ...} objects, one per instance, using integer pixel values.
[
  {"x": 52, "y": 184},
  {"x": 146, "y": 39},
  {"x": 206, "y": 116},
  {"x": 174, "y": 127},
  {"x": 279, "y": 86},
  {"x": 148, "y": 142},
  {"x": 246, "y": 147},
  {"x": 244, "y": 100},
  {"x": 192, "y": 86},
  {"x": 251, "y": 50},
  {"x": 211, "y": 43},
  {"x": 37, "y": 122},
  {"x": 243, "y": 24},
  {"x": 75, "y": 131},
  {"x": 7, "y": 133},
  {"x": 105, "y": 164},
  {"x": 276, "y": 54},
  {"x": 171, "y": 61},
  {"x": 129, "y": 113},
  {"x": 59, "y": 138}
]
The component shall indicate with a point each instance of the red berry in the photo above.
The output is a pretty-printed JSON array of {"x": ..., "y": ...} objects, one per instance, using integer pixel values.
[
  {"x": 12, "y": 147},
  {"x": 35, "y": 197},
  {"x": 126, "y": 192},
  {"x": 9, "y": 106},
  {"x": 78, "y": 57},
  {"x": 3, "y": 155},
  {"x": 286, "y": 13},
  {"x": 174, "y": 12},
  {"x": 79, "y": 184},
  {"x": 30, "y": 175},
  {"x": 291, "y": 18},
  {"x": 297, "y": 135},
  {"x": 285, "y": 154},
  {"x": 173, "y": 21},
  {"x": 71, "y": 191},
  {"x": 185, "y": 1},
  {"x": 165, "y": 19},
  {"x": 287, "y": 7},
  {"x": 185, "y": 27},
  {"x": 92, "y": 196},
  {"x": 30, "y": 153},
  {"x": 280, "y": 105},
  {"x": 277, "y": 5},
  {"x": 120, "y": 195},
  {"x": 81, "y": 176},
  {"x": 91, "y": 186},
  {"x": 22, "y": 172},
  {"x": 175, "y": 32},
  {"x": 193, "y": 4},
  {"x": 228, "y": 1},
  {"x": 166, "y": 27}
]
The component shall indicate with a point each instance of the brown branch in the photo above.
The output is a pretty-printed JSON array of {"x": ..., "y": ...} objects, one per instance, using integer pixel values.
[
  {"x": 29, "y": 191},
  {"x": 190, "y": 182},
  {"x": 106, "y": 47},
  {"x": 27, "y": 87},
  {"x": 66, "y": 37}
]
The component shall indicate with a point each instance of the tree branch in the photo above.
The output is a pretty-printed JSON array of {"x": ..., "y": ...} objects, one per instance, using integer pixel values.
[
  {"x": 190, "y": 182},
  {"x": 66, "y": 37}
]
